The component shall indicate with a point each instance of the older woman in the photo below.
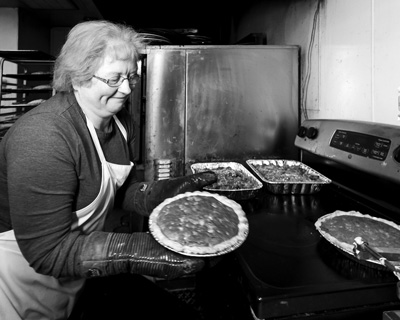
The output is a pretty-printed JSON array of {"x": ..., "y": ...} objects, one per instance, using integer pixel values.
[{"x": 61, "y": 168}]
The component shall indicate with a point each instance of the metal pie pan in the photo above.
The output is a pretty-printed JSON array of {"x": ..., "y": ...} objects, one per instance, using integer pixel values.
[
  {"x": 234, "y": 194},
  {"x": 188, "y": 250},
  {"x": 347, "y": 249},
  {"x": 300, "y": 186}
]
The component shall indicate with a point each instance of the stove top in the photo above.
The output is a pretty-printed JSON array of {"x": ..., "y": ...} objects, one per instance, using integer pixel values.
[
  {"x": 289, "y": 269},
  {"x": 286, "y": 268}
]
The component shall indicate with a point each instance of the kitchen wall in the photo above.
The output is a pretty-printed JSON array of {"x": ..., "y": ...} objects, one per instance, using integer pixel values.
[
  {"x": 350, "y": 53},
  {"x": 22, "y": 30},
  {"x": 9, "y": 28},
  {"x": 9, "y": 33},
  {"x": 350, "y": 50},
  {"x": 33, "y": 32},
  {"x": 8, "y": 41}
]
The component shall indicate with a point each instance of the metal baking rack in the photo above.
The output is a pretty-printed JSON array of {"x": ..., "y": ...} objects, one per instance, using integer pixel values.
[{"x": 25, "y": 84}]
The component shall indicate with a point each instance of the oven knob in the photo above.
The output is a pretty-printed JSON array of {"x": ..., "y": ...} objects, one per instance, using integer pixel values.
[
  {"x": 396, "y": 154},
  {"x": 312, "y": 133},
  {"x": 302, "y": 132}
]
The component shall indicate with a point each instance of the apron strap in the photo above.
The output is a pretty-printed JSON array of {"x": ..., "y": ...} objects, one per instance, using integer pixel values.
[{"x": 96, "y": 139}]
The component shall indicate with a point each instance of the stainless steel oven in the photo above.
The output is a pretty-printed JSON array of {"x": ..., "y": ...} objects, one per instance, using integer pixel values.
[
  {"x": 215, "y": 103},
  {"x": 285, "y": 268}
]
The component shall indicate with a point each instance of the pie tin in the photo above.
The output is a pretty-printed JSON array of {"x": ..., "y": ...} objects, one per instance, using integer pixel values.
[
  {"x": 301, "y": 186},
  {"x": 347, "y": 248},
  {"x": 234, "y": 194},
  {"x": 187, "y": 250}
]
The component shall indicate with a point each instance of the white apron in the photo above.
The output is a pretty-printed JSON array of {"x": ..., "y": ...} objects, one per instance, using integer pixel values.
[{"x": 25, "y": 294}]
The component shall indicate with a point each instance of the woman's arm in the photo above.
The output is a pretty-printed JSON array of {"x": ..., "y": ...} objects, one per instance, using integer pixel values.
[{"x": 43, "y": 155}]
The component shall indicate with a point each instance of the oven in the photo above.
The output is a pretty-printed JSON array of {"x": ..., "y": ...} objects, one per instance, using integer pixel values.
[{"x": 285, "y": 269}]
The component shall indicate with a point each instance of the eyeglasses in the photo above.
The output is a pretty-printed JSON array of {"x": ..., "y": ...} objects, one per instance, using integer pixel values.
[{"x": 117, "y": 80}]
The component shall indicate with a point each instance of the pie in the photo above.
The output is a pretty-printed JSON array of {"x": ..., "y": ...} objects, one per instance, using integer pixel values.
[
  {"x": 341, "y": 228},
  {"x": 199, "y": 224},
  {"x": 231, "y": 176},
  {"x": 231, "y": 179},
  {"x": 287, "y": 173}
]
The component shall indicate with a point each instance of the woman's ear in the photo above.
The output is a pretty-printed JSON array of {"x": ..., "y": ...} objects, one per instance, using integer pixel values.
[{"x": 76, "y": 86}]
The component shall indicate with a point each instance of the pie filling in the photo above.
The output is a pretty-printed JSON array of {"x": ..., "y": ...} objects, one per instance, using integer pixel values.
[
  {"x": 231, "y": 179},
  {"x": 199, "y": 223},
  {"x": 342, "y": 228},
  {"x": 287, "y": 173}
]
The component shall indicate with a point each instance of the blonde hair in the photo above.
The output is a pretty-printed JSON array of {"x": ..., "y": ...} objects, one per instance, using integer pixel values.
[{"x": 86, "y": 47}]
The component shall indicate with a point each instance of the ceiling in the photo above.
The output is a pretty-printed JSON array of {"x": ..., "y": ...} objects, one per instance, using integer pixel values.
[
  {"x": 161, "y": 13},
  {"x": 212, "y": 20},
  {"x": 58, "y": 13},
  {"x": 208, "y": 17}
]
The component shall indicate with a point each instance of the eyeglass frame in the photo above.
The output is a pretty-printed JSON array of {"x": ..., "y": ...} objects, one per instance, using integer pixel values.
[{"x": 106, "y": 81}]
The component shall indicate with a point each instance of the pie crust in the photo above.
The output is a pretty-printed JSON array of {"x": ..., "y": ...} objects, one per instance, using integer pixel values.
[
  {"x": 199, "y": 224},
  {"x": 341, "y": 228}
]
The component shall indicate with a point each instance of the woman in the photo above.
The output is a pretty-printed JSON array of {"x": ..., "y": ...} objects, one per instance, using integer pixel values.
[{"x": 62, "y": 166}]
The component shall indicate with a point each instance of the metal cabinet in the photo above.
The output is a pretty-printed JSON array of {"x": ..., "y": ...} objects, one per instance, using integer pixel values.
[{"x": 26, "y": 86}]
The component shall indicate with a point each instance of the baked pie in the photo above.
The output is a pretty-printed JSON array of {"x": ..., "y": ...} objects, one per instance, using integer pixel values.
[
  {"x": 341, "y": 228},
  {"x": 199, "y": 224}
]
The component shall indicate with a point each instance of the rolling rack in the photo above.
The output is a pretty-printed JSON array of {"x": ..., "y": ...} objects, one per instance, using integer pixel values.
[{"x": 25, "y": 89}]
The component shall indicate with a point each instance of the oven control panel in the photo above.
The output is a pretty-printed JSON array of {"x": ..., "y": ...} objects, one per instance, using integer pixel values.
[
  {"x": 362, "y": 144},
  {"x": 366, "y": 146}
]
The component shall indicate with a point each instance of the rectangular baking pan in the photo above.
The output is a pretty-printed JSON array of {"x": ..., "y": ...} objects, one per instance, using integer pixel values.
[
  {"x": 311, "y": 182},
  {"x": 232, "y": 193}
]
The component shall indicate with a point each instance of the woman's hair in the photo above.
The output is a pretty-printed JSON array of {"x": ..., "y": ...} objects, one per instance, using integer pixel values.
[{"x": 86, "y": 47}]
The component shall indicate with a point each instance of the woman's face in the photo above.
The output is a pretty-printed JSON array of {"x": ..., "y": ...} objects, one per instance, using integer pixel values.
[{"x": 101, "y": 100}]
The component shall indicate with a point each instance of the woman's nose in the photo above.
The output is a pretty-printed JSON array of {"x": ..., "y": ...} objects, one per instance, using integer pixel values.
[{"x": 125, "y": 87}]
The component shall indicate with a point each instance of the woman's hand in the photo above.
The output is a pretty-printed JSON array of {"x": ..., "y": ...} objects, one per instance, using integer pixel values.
[
  {"x": 105, "y": 254},
  {"x": 158, "y": 191}
]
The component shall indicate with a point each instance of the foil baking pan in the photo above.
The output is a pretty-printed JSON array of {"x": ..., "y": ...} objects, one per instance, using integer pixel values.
[
  {"x": 240, "y": 191},
  {"x": 288, "y": 176},
  {"x": 349, "y": 248},
  {"x": 210, "y": 251}
]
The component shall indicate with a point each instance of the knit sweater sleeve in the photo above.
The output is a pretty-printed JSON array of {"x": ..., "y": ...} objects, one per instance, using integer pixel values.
[{"x": 43, "y": 183}]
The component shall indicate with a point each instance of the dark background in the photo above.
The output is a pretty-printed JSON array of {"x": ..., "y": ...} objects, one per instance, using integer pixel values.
[{"x": 211, "y": 19}]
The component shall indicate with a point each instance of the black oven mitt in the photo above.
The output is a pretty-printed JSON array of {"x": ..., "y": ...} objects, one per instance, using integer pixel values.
[
  {"x": 149, "y": 195},
  {"x": 105, "y": 254}
]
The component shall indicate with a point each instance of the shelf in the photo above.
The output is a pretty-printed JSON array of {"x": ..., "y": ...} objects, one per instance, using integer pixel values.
[
  {"x": 27, "y": 56},
  {"x": 19, "y": 106},
  {"x": 24, "y": 104},
  {"x": 24, "y": 94},
  {"x": 31, "y": 76},
  {"x": 12, "y": 113},
  {"x": 26, "y": 90}
]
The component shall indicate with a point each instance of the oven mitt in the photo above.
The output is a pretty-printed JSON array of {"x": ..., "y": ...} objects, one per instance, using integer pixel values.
[
  {"x": 150, "y": 195},
  {"x": 105, "y": 254}
]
